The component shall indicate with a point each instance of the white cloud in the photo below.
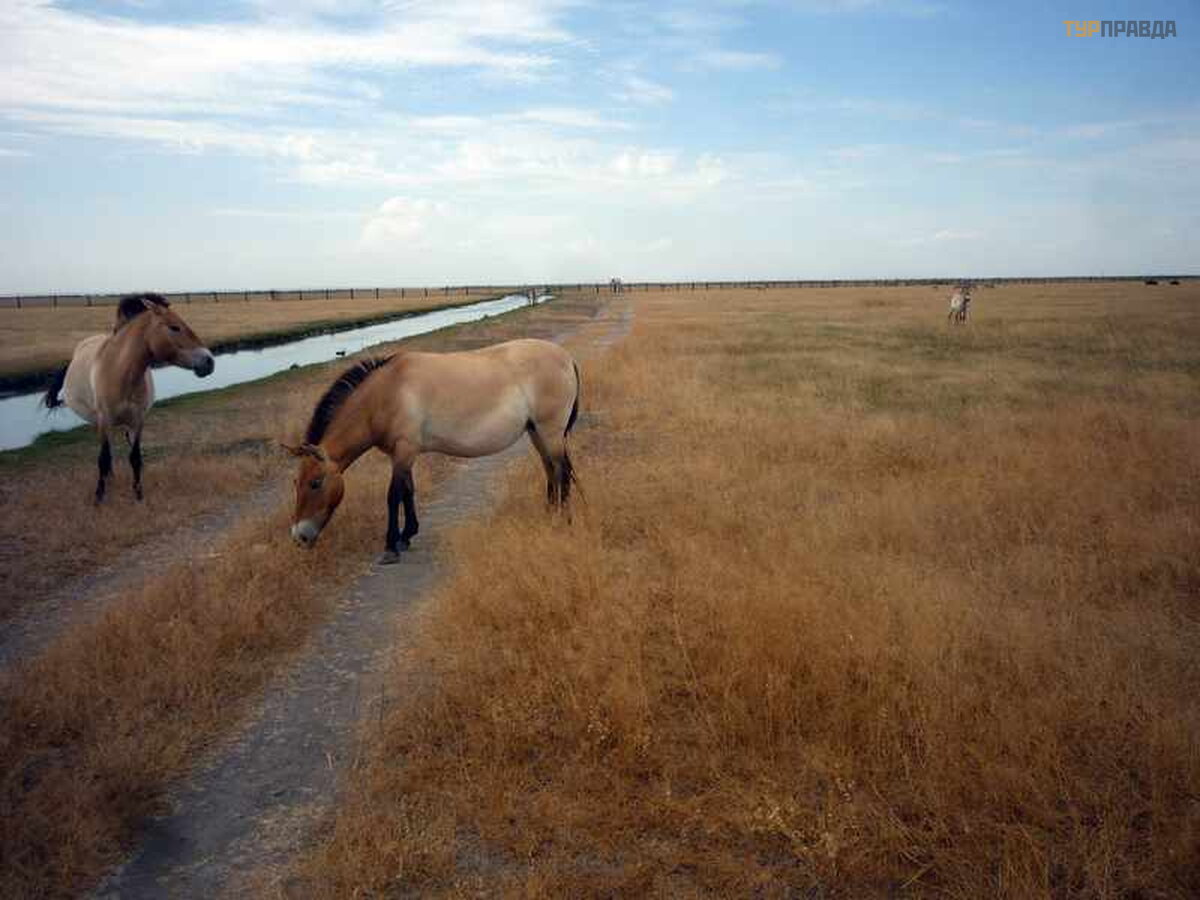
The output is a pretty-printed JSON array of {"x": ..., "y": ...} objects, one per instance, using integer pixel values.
[
  {"x": 643, "y": 163},
  {"x": 857, "y": 152},
  {"x": 942, "y": 236},
  {"x": 643, "y": 91},
  {"x": 399, "y": 221},
  {"x": 282, "y": 215},
  {"x": 58, "y": 59},
  {"x": 568, "y": 117},
  {"x": 898, "y": 7}
]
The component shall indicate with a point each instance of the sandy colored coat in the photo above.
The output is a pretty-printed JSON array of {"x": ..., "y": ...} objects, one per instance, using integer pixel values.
[
  {"x": 478, "y": 402},
  {"x": 84, "y": 392}
]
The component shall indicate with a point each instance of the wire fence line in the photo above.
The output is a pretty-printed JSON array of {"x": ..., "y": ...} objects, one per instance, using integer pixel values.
[{"x": 449, "y": 292}]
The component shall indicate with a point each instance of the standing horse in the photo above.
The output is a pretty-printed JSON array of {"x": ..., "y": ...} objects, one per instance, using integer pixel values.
[
  {"x": 960, "y": 305},
  {"x": 108, "y": 381},
  {"x": 467, "y": 404}
]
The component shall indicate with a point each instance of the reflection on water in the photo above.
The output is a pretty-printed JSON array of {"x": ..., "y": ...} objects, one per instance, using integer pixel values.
[{"x": 22, "y": 418}]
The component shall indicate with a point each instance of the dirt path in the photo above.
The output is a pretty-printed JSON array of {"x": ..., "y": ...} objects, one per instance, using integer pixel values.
[{"x": 246, "y": 808}]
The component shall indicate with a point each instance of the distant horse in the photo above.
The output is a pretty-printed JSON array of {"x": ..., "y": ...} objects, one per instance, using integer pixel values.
[
  {"x": 466, "y": 404},
  {"x": 108, "y": 381},
  {"x": 960, "y": 305}
]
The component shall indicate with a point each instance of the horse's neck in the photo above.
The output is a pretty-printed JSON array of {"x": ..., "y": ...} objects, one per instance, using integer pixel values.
[
  {"x": 350, "y": 434},
  {"x": 131, "y": 352}
]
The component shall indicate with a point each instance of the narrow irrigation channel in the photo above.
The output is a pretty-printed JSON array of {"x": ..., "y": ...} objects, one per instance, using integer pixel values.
[{"x": 23, "y": 419}]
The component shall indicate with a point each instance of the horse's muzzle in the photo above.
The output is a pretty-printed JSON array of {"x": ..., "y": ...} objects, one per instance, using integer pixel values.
[
  {"x": 205, "y": 365},
  {"x": 305, "y": 533}
]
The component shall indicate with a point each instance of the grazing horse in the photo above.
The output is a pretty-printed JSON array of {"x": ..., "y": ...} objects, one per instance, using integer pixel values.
[
  {"x": 960, "y": 305},
  {"x": 466, "y": 404},
  {"x": 108, "y": 381}
]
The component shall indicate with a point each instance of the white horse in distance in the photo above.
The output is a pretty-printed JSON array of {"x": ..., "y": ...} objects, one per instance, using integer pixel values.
[{"x": 960, "y": 305}]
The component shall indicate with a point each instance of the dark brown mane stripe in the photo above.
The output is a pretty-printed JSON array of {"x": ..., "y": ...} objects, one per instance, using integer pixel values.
[
  {"x": 133, "y": 305},
  {"x": 329, "y": 404}
]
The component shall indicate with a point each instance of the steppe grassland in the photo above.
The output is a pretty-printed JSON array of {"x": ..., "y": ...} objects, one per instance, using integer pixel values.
[{"x": 856, "y": 602}]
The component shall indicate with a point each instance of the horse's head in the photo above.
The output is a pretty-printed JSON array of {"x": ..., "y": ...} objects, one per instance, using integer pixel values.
[
  {"x": 172, "y": 341},
  {"x": 319, "y": 489}
]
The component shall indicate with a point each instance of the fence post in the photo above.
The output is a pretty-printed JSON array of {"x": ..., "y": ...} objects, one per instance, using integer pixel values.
[
  {"x": 245, "y": 296},
  {"x": 272, "y": 296},
  {"x": 214, "y": 296}
]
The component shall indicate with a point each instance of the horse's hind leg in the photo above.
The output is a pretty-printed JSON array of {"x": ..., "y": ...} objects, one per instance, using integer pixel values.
[
  {"x": 556, "y": 462},
  {"x": 553, "y": 495},
  {"x": 135, "y": 463},
  {"x": 104, "y": 463}
]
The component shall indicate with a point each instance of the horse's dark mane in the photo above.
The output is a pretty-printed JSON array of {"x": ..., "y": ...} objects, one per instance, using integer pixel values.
[
  {"x": 329, "y": 404},
  {"x": 133, "y": 305}
]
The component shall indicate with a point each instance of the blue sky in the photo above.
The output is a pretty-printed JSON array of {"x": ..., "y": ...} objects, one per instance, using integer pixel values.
[{"x": 170, "y": 146}]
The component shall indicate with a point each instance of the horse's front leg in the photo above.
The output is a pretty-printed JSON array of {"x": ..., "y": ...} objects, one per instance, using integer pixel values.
[
  {"x": 104, "y": 463},
  {"x": 400, "y": 491}
]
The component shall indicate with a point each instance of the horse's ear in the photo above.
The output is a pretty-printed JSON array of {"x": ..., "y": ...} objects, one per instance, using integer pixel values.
[{"x": 304, "y": 450}]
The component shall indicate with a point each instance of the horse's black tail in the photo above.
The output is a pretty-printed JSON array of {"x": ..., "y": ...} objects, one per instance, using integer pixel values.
[
  {"x": 51, "y": 400},
  {"x": 575, "y": 405},
  {"x": 567, "y": 478}
]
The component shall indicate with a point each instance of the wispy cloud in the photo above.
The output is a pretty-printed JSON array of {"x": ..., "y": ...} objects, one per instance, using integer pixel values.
[
  {"x": 941, "y": 236},
  {"x": 568, "y": 117},
  {"x": 736, "y": 59},
  {"x": 60, "y": 59},
  {"x": 920, "y": 8},
  {"x": 643, "y": 91},
  {"x": 283, "y": 215}
]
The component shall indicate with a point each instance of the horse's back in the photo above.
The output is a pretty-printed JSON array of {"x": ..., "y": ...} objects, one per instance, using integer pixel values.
[{"x": 474, "y": 402}]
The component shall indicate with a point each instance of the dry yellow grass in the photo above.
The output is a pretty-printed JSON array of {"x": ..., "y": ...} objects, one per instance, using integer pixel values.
[
  {"x": 42, "y": 338},
  {"x": 857, "y": 605},
  {"x": 93, "y": 728}
]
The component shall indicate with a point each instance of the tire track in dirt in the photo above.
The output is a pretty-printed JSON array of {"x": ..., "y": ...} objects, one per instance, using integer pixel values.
[{"x": 251, "y": 802}]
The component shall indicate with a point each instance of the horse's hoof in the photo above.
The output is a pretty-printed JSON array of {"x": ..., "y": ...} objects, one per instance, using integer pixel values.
[
  {"x": 137, "y": 492},
  {"x": 388, "y": 558}
]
